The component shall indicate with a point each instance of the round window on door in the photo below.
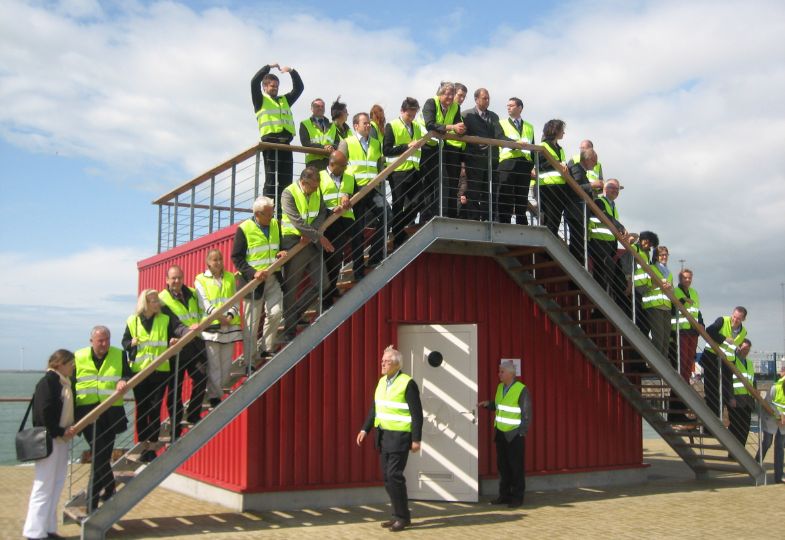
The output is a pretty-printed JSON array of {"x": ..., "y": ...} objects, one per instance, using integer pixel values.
[{"x": 435, "y": 358}]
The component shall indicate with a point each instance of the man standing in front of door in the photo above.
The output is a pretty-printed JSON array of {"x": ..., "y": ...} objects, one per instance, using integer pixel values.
[
  {"x": 396, "y": 412},
  {"x": 513, "y": 414}
]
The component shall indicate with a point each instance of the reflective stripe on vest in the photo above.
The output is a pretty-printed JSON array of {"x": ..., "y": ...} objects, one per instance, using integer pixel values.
[
  {"x": 693, "y": 308},
  {"x": 552, "y": 178},
  {"x": 748, "y": 370},
  {"x": 317, "y": 136},
  {"x": 447, "y": 119},
  {"x": 218, "y": 296},
  {"x": 150, "y": 345},
  {"x": 96, "y": 385},
  {"x": 597, "y": 229},
  {"x": 307, "y": 206},
  {"x": 640, "y": 278},
  {"x": 402, "y": 137},
  {"x": 508, "y": 412},
  {"x": 188, "y": 315},
  {"x": 526, "y": 136},
  {"x": 261, "y": 250},
  {"x": 654, "y": 296},
  {"x": 274, "y": 116},
  {"x": 392, "y": 411},
  {"x": 729, "y": 349},
  {"x": 331, "y": 194},
  {"x": 362, "y": 165}
]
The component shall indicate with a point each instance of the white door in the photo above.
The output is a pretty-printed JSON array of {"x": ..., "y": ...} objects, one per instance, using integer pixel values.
[{"x": 442, "y": 359}]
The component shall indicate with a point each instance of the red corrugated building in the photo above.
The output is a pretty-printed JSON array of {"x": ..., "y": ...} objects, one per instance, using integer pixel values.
[{"x": 300, "y": 435}]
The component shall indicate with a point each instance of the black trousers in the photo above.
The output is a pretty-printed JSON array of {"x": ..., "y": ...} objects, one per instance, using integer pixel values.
[
  {"x": 393, "y": 465},
  {"x": 149, "y": 395},
  {"x": 344, "y": 232},
  {"x": 429, "y": 170},
  {"x": 407, "y": 200},
  {"x": 193, "y": 362},
  {"x": 368, "y": 214},
  {"x": 477, "y": 185},
  {"x": 510, "y": 461},
  {"x": 553, "y": 201},
  {"x": 712, "y": 374},
  {"x": 101, "y": 441},
  {"x": 512, "y": 195},
  {"x": 277, "y": 165},
  {"x": 740, "y": 418},
  {"x": 606, "y": 270},
  {"x": 576, "y": 224}
]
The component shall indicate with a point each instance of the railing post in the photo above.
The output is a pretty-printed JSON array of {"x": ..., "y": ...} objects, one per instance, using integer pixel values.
[
  {"x": 91, "y": 476},
  {"x": 256, "y": 175},
  {"x": 174, "y": 233},
  {"x": 761, "y": 438},
  {"x": 537, "y": 187},
  {"x": 249, "y": 350},
  {"x": 678, "y": 341},
  {"x": 490, "y": 186},
  {"x": 585, "y": 226},
  {"x": 160, "y": 223},
  {"x": 632, "y": 290},
  {"x": 193, "y": 202},
  {"x": 212, "y": 201},
  {"x": 277, "y": 209},
  {"x": 441, "y": 178},
  {"x": 719, "y": 384},
  {"x": 384, "y": 219},
  {"x": 173, "y": 423},
  {"x": 232, "y": 191}
]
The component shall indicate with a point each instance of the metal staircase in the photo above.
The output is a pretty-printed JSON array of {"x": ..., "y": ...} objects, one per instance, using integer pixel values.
[{"x": 510, "y": 245}]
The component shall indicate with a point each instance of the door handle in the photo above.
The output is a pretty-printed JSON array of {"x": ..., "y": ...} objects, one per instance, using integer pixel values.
[{"x": 473, "y": 412}]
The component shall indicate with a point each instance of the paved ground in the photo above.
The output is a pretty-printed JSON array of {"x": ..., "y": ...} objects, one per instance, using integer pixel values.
[{"x": 670, "y": 505}]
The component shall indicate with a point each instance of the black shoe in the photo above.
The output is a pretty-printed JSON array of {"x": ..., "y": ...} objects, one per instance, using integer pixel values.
[
  {"x": 500, "y": 500},
  {"x": 54, "y": 535},
  {"x": 515, "y": 503},
  {"x": 105, "y": 496},
  {"x": 387, "y": 524},
  {"x": 214, "y": 402},
  {"x": 148, "y": 456},
  {"x": 398, "y": 525}
]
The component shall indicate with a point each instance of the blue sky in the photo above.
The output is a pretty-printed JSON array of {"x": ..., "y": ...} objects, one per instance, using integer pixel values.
[{"x": 107, "y": 105}]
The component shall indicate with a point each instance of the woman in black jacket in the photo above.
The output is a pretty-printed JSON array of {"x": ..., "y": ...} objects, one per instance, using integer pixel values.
[{"x": 53, "y": 408}]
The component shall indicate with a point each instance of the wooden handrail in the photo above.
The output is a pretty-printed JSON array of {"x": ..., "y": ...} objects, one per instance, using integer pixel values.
[
  {"x": 93, "y": 415},
  {"x": 239, "y": 158}
]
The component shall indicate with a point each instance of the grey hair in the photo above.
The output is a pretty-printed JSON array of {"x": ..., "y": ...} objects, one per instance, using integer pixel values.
[
  {"x": 261, "y": 203},
  {"x": 508, "y": 366},
  {"x": 444, "y": 86},
  {"x": 588, "y": 154},
  {"x": 397, "y": 357},
  {"x": 100, "y": 328}
]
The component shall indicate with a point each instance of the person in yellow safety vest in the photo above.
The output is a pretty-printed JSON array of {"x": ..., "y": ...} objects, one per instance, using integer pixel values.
[
  {"x": 728, "y": 333},
  {"x": 515, "y": 166},
  {"x": 577, "y": 217},
  {"x": 638, "y": 279},
  {"x": 443, "y": 115},
  {"x": 378, "y": 122},
  {"x": 554, "y": 191},
  {"x": 276, "y": 124},
  {"x": 340, "y": 116},
  {"x": 656, "y": 304},
  {"x": 337, "y": 188},
  {"x": 317, "y": 132},
  {"x": 180, "y": 302},
  {"x": 304, "y": 212},
  {"x": 602, "y": 244},
  {"x": 214, "y": 287},
  {"x": 594, "y": 174},
  {"x": 742, "y": 403},
  {"x": 774, "y": 427},
  {"x": 256, "y": 246},
  {"x": 687, "y": 335},
  {"x": 400, "y": 135},
  {"x": 100, "y": 371},
  {"x": 396, "y": 413},
  {"x": 148, "y": 333},
  {"x": 364, "y": 152},
  {"x": 513, "y": 413}
]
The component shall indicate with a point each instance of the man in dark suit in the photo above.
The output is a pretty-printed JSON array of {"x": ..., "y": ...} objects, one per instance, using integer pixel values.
[
  {"x": 479, "y": 122},
  {"x": 396, "y": 412}
]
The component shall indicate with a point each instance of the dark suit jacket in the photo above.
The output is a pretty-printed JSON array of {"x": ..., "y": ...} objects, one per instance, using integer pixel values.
[
  {"x": 48, "y": 404},
  {"x": 399, "y": 441},
  {"x": 477, "y": 127}
]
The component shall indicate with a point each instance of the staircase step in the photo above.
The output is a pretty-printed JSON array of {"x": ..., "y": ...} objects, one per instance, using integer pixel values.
[
  {"x": 704, "y": 446},
  {"x": 520, "y": 252},
  {"x": 602, "y": 335},
  {"x": 537, "y": 266},
  {"x": 723, "y": 467},
  {"x": 74, "y": 513},
  {"x": 551, "y": 280},
  {"x": 572, "y": 292},
  {"x": 565, "y": 309}
]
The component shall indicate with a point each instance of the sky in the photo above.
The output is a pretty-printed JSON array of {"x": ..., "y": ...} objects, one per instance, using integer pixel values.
[{"x": 104, "y": 106}]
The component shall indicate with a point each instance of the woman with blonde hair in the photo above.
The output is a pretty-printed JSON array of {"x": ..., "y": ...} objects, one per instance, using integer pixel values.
[
  {"x": 148, "y": 333},
  {"x": 53, "y": 408}
]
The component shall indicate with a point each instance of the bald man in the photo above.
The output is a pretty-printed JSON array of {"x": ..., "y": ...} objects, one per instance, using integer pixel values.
[{"x": 337, "y": 188}]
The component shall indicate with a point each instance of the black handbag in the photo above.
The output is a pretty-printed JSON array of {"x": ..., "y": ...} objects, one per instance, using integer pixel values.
[{"x": 32, "y": 443}]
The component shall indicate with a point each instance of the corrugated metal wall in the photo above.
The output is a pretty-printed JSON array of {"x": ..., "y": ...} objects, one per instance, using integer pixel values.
[{"x": 301, "y": 433}]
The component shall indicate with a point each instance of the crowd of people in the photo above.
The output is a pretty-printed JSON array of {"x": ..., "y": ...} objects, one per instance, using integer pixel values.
[{"x": 452, "y": 178}]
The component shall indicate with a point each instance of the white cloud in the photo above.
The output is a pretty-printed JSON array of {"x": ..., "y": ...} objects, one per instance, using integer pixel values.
[{"x": 683, "y": 101}]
